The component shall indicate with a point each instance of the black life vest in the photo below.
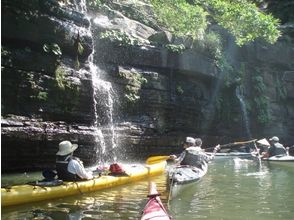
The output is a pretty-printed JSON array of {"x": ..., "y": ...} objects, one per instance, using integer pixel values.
[
  {"x": 62, "y": 171},
  {"x": 277, "y": 149},
  {"x": 195, "y": 160}
]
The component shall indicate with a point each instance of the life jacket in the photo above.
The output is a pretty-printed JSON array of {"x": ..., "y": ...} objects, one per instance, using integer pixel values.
[
  {"x": 62, "y": 171},
  {"x": 277, "y": 149},
  {"x": 193, "y": 158}
]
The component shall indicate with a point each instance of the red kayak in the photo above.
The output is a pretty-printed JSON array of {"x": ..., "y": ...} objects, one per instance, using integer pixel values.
[{"x": 154, "y": 208}]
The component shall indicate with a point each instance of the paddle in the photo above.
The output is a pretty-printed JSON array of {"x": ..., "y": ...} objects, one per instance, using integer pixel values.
[
  {"x": 233, "y": 144},
  {"x": 156, "y": 159}
]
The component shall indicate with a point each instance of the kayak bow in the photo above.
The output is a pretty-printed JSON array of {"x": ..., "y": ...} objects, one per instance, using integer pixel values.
[{"x": 154, "y": 209}]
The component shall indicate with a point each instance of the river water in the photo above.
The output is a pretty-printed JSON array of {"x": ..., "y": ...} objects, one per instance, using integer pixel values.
[{"x": 229, "y": 190}]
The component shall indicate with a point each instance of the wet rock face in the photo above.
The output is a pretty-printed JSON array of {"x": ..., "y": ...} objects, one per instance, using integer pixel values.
[
  {"x": 31, "y": 144},
  {"x": 42, "y": 83}
]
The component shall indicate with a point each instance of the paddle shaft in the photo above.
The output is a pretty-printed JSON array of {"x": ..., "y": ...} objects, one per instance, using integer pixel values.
[{"x": 233, "y": 144}]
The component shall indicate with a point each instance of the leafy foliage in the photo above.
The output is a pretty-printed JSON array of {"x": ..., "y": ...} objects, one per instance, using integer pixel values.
[
  {"x": 67, "y": 93},
  {"x": 260, "y": 101},
  {"x": 175, "y": 48},
  {"x": 52, "y": 48},
  {"x": 242, "y": 18},
  {"x": 135, "y": 82},
  {"x": 181, "y": 18},
  {"x": 119, "y": 37}
]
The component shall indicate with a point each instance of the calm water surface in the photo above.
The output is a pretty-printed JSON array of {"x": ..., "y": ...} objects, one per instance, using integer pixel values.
[{"x": 228, "y": 191}]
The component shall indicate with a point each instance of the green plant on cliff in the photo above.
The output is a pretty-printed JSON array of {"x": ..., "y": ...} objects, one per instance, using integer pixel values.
[
  {"x": 281, "y": 89},
  {"x": 52, "y": 48},
  {"x": 66, "y": 93},
  {"x": 241, "y": 18},
  {"x": 95, "y": 4},
  {"x": 260, "y": 102},
  {"x": 119, "y": 38},
  {"x": 231, "y": 79},
  {"x": 175, "y": 48},
  {"x": 135, "y": 81},
  {"x": 179, "y": 90},
  {"x": 37, "y": 92},
  {"x": 210, "y": 44}
]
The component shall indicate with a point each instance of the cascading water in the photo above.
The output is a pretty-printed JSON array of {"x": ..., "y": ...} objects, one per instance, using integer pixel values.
[
  {"x": 244, "y": 111},
  {"x": 103, "y": 105}
]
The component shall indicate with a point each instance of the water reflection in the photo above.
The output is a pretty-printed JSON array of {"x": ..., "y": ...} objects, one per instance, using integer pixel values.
[{"x": 228, "y": 191}]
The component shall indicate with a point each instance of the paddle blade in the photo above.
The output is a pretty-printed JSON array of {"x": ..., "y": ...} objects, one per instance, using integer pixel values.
[
  {"x": 263, "y": 142},
  {"x": 156, "y": 159}
]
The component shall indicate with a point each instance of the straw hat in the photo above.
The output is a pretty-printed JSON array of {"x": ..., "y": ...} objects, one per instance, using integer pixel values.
[
  {"x": 66, "y": 147},
  {"x": 263, "y": 142}
]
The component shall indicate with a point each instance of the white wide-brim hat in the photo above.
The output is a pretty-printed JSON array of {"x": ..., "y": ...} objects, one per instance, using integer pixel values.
[{"x": 66, "y": 147}]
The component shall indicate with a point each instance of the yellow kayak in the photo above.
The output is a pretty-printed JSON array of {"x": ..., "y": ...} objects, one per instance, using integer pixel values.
[{"x": 22, "y": 194}]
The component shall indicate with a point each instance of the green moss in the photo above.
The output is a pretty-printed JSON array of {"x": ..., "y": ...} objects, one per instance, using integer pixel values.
[
  {"x": 52, "y": 48},
  {"x": 135, "y": 82},
  {"x": 260, "y": 102},
  {"x": 179, "y": 90},
  {"x": 175, "y": 48},
  {"x": 42, "y": 96},
  {"x": 66, "y": 93},
  {"x": 119, "y": 38}
]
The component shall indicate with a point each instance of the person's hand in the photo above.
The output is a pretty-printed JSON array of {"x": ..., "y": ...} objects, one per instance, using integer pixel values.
[
  {"x": 172, "y": 157},
  {"x": 217, "y": 147}
]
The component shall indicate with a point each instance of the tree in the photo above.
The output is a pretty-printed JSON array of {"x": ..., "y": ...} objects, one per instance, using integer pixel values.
[{"x": 242, "y": 18}]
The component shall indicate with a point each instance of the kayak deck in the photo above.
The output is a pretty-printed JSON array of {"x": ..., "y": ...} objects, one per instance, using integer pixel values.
[
  {"x": 287, "y": 161},
  {"x": 154, "y": 208},
  {"x": 181, "y": 177},
  {"x": 22, "y": 194}
]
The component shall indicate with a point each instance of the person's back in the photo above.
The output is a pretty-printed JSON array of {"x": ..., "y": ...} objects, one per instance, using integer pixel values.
[
  {"x": 194, "y": 156},
  {"x": 70, "y": 168},
  {"x": 62, "y": 164},
  {"x": 276, "y": 148}
]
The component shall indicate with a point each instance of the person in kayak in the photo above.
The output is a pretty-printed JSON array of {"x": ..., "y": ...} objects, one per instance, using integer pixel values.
[
  {"x": 193, "y": 154},
  {"x": 275, "y": 148},
  {"x": 68, "y": 167}
]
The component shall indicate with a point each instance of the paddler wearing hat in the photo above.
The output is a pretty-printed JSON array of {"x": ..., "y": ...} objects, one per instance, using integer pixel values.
[{"x": 68, "y": 167}]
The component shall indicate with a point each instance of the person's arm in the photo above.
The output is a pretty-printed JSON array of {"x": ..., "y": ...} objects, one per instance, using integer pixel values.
[
  {"x": 178, "y": 159},
  {"x": 77, "y": 168}
]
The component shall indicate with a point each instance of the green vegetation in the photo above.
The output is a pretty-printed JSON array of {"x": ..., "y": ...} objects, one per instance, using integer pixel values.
[
  {"x": 66, "y": 93},
  {"x": 242, "y": 18},
  {"x": 281, "y": 89},
  {"x": 52, "y": 48},
  {"x": 210, "y": 44},
  {"x": 42, "y": 96},
  {"x": 175, "y": 48},
  {"x": 119, "y": 38},
  {"x": 94, "y": 4},
  {"x": 135, "y": 82},
  {"x": 179, "y": 90},
  {"x": 260, "y": 102}
]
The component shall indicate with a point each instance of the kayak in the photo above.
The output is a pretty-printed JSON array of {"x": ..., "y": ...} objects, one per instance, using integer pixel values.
[
  {"x": 154, "y": 209},
  {"x": 22, "y": 194},
  {"x": 182, "y": 176},
  {"x": 230, "y": 155},
  {"x": 285, "y": 160}
]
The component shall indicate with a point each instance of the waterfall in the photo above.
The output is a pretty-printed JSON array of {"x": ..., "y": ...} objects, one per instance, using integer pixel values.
[
  {"x": 244, "y": 111},
  {"x": 103, "y": 104}
]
